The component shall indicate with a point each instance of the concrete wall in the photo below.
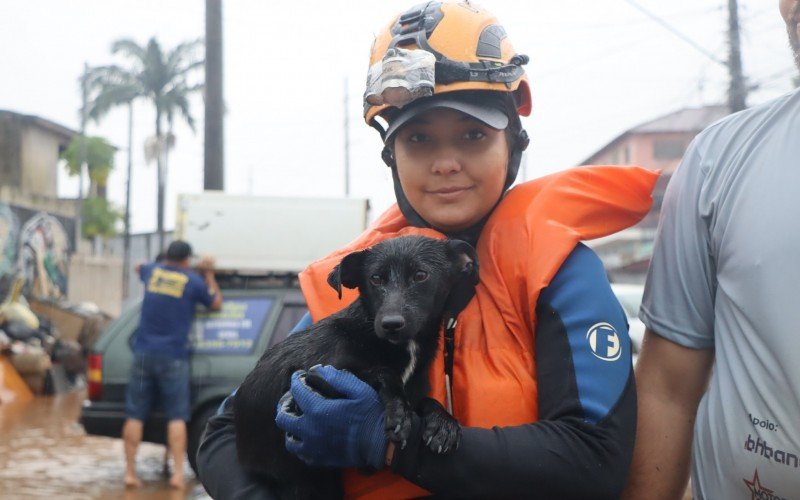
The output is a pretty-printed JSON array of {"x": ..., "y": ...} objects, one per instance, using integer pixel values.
[
  {"x": 55, "y": 206},
  {"x": 10, "y": 139},
  {"x": 96, "y": 279},
  {"x": 39, "y": 154}
]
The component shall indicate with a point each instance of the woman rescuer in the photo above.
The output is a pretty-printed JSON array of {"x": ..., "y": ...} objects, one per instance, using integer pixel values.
[{"x": 538, "y": 372}]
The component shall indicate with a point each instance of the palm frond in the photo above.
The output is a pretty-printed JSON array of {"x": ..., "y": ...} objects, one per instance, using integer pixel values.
[
  {"x": 130, "y": 48},
  {"x": 110, "y": 96},
  {"x": 177, "y": 99},
  {"x": 183, "y": 52}
]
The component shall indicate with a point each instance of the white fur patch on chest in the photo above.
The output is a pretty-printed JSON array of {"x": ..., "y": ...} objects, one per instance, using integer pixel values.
[{"x": 413, "y": 349}]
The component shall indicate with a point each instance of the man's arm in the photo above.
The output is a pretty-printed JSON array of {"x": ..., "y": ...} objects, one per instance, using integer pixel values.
[
  {"x": 213, "y": 287},
  {"x": 206, "y": 267},
  {"x": 671, "y": 381}
]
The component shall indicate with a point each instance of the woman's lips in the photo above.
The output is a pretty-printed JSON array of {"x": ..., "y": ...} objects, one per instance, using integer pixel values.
[{"x": 449, "y": 193}]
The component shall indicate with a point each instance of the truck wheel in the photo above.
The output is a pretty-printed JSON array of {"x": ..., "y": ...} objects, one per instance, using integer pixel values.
[{"x": 196, "y": 427}]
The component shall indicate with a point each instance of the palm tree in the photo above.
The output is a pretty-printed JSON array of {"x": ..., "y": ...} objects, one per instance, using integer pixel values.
[{"x": 158, "y": 76}]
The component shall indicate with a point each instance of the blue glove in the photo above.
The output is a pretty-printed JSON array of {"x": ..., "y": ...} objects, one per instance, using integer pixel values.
[{"x": 325, "y": 432}]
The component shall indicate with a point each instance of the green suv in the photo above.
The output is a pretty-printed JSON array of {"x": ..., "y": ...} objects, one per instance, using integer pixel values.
[{"x": 256, "y": 313}]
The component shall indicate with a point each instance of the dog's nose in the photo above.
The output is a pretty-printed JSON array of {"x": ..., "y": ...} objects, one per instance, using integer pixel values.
[{"x": 393, "y": 322}]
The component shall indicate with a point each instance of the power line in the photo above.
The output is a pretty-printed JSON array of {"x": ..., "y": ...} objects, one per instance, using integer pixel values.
[{"x": 675, "y": 32}]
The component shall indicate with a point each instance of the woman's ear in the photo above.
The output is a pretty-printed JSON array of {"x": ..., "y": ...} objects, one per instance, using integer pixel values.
[{"x": 348, "y": 272}]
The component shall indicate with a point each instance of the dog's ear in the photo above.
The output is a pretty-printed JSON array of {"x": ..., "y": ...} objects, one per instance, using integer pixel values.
[
  {"x": 348, "y": 272},
  {"x": 466, "y": 259}
]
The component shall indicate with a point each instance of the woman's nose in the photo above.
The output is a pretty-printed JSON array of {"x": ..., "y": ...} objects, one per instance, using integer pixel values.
[{"x": 446, "y": 164}]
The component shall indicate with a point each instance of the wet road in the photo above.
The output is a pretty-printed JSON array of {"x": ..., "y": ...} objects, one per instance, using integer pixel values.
[{"x": 45, "y": 453}]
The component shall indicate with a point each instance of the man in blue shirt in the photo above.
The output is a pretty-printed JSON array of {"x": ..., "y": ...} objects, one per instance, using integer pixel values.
[{"x": 160, "y": 369}]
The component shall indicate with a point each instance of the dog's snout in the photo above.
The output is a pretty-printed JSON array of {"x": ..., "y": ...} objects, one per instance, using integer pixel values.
[{"x": 393, "y": 322}]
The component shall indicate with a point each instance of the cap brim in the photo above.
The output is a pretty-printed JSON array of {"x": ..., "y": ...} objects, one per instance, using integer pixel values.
[{"x": 491, "y": 116}]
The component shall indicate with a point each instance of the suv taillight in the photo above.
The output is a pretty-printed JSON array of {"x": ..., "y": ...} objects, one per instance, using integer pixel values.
[{"x": 94, "y": 376}]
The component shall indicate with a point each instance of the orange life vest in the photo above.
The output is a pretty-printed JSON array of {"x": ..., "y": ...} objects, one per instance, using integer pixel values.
[{"x": 522, "y": 246}]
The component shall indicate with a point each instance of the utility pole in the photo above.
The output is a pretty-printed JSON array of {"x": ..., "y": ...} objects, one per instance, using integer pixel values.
[
  {"x": 82, "y": 160},
  {"x": 346, "y": 140},
  {"x": 737, "y": 93},
  {"x": 214, "y": 157}
]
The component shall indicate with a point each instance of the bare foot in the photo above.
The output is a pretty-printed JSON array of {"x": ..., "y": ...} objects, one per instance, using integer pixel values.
[
  {"x": 177, "y": 482},
  {"x": 131, "y": 481}
]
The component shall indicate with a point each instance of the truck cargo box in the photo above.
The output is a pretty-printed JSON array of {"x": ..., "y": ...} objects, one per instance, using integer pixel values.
[{"x": 255, "y": 234}]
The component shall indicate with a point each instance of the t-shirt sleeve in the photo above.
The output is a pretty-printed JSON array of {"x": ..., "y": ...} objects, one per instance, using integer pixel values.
[
  {"x": 145, "y": 270},
  {"x": 678, "y": 301},
  {"x": 202, "y": 293}
]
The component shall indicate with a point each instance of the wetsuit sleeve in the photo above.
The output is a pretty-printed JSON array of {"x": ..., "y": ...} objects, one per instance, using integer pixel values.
[
  {"x": 582, "y": 445},
  {"x": 219, "y": 469}
]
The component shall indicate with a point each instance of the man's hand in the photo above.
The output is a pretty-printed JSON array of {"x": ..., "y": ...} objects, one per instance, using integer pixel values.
[
  {"x": 671, "y": 380},
  {"x": 206, "y": 264},
  {"x": 333, "y": 432}
]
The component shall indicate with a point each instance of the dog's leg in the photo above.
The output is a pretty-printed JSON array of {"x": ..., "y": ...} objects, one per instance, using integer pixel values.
[
  {"x": 397, "y": 420},
  {"x": 441, "y": 432}
]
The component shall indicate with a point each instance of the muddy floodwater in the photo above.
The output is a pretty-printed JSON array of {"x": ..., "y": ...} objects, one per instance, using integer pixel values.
[{"x": 45, "y": 453}]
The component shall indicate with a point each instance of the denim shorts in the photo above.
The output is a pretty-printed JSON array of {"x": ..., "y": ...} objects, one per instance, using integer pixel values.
[{"x": 158, "y": 380}]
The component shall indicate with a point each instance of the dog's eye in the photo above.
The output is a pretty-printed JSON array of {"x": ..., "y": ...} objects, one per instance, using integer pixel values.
[
  {"x": 376, "y": 280},
  {"x": 420, "y": 276}
]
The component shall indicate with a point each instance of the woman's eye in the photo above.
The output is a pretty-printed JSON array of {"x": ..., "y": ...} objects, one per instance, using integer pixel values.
[
  {"x": 474, "y": 135},
  {"x": 418, "y": 138},
  {"x": 375, "y": 280},
  {"x": 420, "y": 276}
]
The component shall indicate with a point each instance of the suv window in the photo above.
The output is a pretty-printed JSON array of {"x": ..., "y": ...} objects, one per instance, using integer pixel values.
[
  {"x": 233, "y": 330},
  {"x": 289, "y": 317}
]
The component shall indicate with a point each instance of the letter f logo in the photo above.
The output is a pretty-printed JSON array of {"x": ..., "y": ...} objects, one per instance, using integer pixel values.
[{"x": 604, "y": 342}]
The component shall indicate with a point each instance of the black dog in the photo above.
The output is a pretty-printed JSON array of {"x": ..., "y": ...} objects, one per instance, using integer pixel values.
[{"x": 388, "y": 338}]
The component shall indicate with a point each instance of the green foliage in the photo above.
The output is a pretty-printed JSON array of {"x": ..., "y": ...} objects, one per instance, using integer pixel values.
[
  {"x": 99, "y": 218},
  {"x": 99, "y": 158}
]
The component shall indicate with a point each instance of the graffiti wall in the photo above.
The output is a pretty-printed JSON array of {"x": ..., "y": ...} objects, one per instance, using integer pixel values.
[{"x": 36, "y": 246}]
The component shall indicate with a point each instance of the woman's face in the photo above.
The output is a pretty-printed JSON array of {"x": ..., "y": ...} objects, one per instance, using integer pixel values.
[{"x": 452, "y": 167}]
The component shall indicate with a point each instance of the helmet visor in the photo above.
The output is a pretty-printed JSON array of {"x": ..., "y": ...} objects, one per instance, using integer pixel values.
[{"x": 485, "y": 106}]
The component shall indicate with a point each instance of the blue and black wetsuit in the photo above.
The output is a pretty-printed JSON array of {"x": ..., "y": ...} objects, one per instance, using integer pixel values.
[{"x": 580, "y": 448}]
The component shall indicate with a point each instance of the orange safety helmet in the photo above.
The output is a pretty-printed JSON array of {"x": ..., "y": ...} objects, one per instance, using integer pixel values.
[{"x": 469, "y": 49}]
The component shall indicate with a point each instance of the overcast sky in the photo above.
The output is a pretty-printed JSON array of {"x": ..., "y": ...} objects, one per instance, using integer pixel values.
[{"x": 598, "y": 67}]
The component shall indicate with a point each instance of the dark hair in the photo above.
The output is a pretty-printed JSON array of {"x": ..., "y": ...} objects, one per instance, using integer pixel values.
[{"x": 179, "y": 251}]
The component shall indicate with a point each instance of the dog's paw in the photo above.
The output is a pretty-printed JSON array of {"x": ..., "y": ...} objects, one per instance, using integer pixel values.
[
  {"x": 441, "y": 433},
  {"x": 397, "y": 421}
]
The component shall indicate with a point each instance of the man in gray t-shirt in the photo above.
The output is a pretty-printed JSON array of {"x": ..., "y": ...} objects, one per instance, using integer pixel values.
[{"x": 723, "y": 292}]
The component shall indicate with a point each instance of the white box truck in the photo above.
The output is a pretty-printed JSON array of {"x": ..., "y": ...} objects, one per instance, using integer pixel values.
[{"x": 258, "y": 234}]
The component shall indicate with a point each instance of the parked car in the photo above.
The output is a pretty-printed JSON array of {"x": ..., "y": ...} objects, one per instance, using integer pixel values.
[
  {"x": 630, "y": 296},
  {"x": 256, "y": 313}
]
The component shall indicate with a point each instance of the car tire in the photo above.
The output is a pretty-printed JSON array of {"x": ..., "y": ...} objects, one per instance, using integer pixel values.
[{"x": 196, "y": 427}]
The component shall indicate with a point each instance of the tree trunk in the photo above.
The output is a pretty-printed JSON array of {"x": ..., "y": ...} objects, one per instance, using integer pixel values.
[
  {"x": 214, "y": 158},
  {"x": 126, "y": 260},
  {"x": 160, "y": 164}
]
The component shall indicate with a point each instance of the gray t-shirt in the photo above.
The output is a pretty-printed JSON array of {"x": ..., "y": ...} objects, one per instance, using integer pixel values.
[{"x": 725, "y": 275}]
